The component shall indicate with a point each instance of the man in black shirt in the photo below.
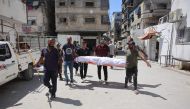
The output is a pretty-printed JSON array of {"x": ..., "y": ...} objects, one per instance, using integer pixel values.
[
  {"x": 69, "y": 55},
  {"x": 50, "y": 58},
  {"x": 83, "y": 51}
]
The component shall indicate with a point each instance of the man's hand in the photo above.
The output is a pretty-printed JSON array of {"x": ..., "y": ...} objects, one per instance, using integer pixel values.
[
  {"x": 37, "y": 65},
  {"x": 148, "y": 64}
]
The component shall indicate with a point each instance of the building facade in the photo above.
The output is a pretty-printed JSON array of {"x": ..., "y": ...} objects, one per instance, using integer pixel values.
[
  {"x": 41, "y": 21},
  {"x": 11, "y": 22},
  {"x": 41, "y": 18},
  {"x": 140, "y": 14},
  {"x": 88, "y": 19},
  {"x": 116, "y": 26}
]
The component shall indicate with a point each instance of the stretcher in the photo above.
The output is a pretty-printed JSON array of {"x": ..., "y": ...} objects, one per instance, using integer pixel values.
[{"x": 105, "y": 61}]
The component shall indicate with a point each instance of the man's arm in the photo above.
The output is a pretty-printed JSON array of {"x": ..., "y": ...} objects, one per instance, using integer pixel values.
[
  {"x": 41, "y": 59},
  {"x": 145, "y": 60},
  {"x": 95, "y": 51}
]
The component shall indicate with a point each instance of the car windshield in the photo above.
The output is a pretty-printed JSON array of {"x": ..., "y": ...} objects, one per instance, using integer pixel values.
[{"x": 2, "y": 50}]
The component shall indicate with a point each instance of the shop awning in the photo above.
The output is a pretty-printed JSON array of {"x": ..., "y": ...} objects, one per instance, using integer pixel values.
[{"x": 151, "y": 32}]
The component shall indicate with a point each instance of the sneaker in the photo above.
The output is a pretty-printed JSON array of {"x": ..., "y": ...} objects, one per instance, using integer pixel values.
[
  {"x": 105, "y": 82},
  {"x": 136, "y": 92},
  {"x": 53, "y": 97},
  {"x": 126, "y": 86},
  {"x": 67, "y": 83},
  {"x": 61, "y": 79},
  {"x": 50, "y": 90},
  {"x": 83, "y": 80},
  {"x": 100, "y": 80},
  {"x": 72, "y": 81}
]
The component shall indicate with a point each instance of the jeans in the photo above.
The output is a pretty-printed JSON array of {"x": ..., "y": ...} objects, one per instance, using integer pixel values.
[
  {"x": 51, "y": 75},
  {"x": 83, "y": 70},
  {"x": 131, "y": 72},
  {"x": 70, "y": 65},
  {"x": 105, "y": 72}
]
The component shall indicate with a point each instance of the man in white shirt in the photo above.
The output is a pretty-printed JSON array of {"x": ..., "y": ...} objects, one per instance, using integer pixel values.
[{"x": 112, "y": 50}]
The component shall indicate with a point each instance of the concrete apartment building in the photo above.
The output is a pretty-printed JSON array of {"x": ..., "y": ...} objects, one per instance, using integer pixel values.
[
  {"x": 11, "y": 21},
  {"x": 41, "y": 18},
  {"x": 41, "y": 21},
  {"x": 116, "y": 26},
  {"x": 86, "y": 19},
  {"x": 140, "y": 14},
  {"x": 37, "y": 20}
]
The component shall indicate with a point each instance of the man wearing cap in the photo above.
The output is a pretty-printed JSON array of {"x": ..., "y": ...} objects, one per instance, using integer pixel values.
[
  {"x": 50, "y": 58},
  {"x": 69, "y": 55},
  {"x": 102, "y": 50},
  {"x": 132, "y": 54}
]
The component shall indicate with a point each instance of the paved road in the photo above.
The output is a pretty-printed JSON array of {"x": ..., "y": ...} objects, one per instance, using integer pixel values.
[{"x": 160, "y": 88}]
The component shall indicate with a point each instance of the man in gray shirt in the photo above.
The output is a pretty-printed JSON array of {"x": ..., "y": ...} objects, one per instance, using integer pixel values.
[{"x": 112, "y": 50}]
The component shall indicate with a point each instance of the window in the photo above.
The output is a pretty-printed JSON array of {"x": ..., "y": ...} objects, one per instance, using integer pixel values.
[
  {"x": 73, "y": 18},
  {"x": 72, "y": 2},
  {"x": 183, "y": 35},
  {"x": 63, "y": 20},
  {"x": 132, "y": 18},
  {"x": 32, "y": 22},
  {"x": 104, "y": 4},
  {"x": 61, "y": 3},
  {"x": 89, "y": 4},
  {"x": 147, "y": 7},
  {"x": 105, "y": 19},
  {"x": 4, "y": 52},
  {"x": 162, "y": 6},
  {"x": 89, "y": 20}
]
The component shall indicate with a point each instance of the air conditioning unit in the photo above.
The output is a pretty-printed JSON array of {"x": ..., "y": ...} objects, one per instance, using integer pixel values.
[{"x": 175, "y": 16}]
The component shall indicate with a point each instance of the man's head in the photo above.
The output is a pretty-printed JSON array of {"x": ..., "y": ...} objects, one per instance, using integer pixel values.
[
  {"x": 131, "y": 44},
  {"x": 84, "y": 44},
  {"x": 58, "y": 45},
  {"x": 110, "y": 42},
  {"x": 69, "y": 40},
  {"x": 51, "y": 42},
  {"x": 102, "y": 42}
]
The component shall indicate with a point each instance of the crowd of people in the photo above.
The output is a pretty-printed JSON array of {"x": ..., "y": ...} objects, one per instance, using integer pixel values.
[{"x": 54, "y": 57}]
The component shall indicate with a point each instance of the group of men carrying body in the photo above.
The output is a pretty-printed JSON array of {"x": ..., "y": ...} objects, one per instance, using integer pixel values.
[{"x": 53, "y": 58}]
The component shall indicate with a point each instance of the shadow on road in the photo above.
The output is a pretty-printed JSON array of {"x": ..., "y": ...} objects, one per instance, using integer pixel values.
[
  {"x": 12, "y": 92},
  {"x": 151, "y": 94},
  {"x": 116, "y": 85},
  {"x": 68, "y": 101},
  {"x": 148, "y": 85}
]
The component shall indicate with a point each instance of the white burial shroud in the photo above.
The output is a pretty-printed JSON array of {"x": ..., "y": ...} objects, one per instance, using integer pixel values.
[{"x": 106, "y": 61}]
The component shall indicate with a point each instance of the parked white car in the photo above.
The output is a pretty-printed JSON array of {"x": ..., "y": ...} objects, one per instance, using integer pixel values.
[{"x": 13, "y": 65}]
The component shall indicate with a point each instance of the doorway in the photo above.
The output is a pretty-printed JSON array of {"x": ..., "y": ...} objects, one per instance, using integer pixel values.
[{"x": 91, "y": 44}]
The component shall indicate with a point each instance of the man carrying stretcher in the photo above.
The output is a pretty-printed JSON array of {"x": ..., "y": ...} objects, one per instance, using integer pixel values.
[{"x": 132, "y": 54}]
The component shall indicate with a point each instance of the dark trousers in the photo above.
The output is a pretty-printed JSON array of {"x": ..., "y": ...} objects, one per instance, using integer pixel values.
[
  {"x": 111, "y": 56},
  {"x": 51, "y": 75},
  {"x": 76, "y": 66},
  {"x": 105, "y": 72},
  {"x": 60, "y": 71},
  {"x": 131, "y": 72},
  {"x": 83, "y": 70}
]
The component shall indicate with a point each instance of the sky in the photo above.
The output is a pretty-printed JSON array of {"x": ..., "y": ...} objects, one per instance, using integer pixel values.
[{"x": 115, "y": 6}]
